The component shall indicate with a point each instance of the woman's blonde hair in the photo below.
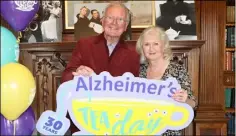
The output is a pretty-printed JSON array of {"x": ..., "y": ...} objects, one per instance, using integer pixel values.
[{"x": 167, "y": 53}]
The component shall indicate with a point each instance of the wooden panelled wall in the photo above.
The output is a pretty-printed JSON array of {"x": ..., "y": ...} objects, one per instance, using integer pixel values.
[
  {"x": 210, "y": 118},
  {"x": 211, "y": 29}
]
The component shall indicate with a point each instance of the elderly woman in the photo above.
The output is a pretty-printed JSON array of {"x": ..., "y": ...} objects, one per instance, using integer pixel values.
[{"x": 153, "y": 47}]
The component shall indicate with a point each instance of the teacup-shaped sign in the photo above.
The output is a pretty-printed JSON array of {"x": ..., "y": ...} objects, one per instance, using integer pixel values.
[
  {"x": 127, "y": 116},
  {"x": 125, "y": 105}
]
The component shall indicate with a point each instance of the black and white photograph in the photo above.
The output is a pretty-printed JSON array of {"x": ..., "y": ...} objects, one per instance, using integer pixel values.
[
  {"x": 46, "y": 25},
  {"x": 177, "y": 18}
]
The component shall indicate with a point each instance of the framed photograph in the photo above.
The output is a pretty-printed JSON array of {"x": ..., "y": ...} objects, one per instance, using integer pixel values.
[
  {"x": 143, "y": 12},
  {"x": 46, "y": 25},
  {"x": 177, "y": 18}
]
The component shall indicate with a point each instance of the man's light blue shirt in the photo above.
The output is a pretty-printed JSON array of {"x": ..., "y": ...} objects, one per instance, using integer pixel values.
[{"x": 111, "y": 47}]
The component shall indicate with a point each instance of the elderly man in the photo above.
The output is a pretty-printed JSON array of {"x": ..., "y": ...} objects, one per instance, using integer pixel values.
[{"x": 105, "y": 52}]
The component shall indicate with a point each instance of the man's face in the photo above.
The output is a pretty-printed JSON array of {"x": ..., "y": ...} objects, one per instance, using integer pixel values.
[
  {"x": 114, "y": 22},
  {"x": 83, "y": 11},
  {"x": 95, "y": 14}
]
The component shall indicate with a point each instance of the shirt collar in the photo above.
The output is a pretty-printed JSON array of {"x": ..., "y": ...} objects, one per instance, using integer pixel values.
[{"x": 113, "y": 44}]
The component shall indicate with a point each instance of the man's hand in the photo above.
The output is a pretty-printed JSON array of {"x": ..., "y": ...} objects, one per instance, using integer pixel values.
[{"x": 83, "y": 70}]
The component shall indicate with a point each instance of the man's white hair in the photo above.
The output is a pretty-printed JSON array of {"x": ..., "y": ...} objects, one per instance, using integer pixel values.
[{"x": 118, "y": 4}]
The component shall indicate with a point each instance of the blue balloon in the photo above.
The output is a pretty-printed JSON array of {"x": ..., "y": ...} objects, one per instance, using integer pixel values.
[{"x": 9, "y": 47}]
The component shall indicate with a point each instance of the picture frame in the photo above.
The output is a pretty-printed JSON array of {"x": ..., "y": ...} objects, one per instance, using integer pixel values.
[{"x": 139, "y": 19}]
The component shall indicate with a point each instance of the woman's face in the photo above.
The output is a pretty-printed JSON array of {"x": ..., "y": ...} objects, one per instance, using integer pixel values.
[{"x": 152, "y": 46}]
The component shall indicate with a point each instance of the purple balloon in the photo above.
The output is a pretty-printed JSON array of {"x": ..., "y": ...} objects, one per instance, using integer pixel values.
[
  {"x": 19, "y": 13},
  {"x": 24, "y": 125}
]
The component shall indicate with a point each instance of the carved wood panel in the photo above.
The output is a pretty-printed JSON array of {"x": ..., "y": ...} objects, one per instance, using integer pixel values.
[{"x": 47, "y": 68}]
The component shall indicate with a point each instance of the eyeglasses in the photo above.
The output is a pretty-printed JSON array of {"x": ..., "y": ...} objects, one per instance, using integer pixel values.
[{"x": 118, "y": 20}]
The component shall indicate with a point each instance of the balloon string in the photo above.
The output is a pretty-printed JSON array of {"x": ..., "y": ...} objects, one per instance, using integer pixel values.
[
  {"x": 14, "y": 127},
  {"x": 19, "y": 36}
]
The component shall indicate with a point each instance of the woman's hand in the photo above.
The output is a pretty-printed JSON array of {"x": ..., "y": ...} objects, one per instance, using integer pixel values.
[{"x": 180, "y": 96}]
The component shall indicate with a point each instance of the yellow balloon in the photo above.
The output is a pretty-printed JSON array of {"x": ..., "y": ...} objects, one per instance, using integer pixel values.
[{"x": 17, "y": 90}]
